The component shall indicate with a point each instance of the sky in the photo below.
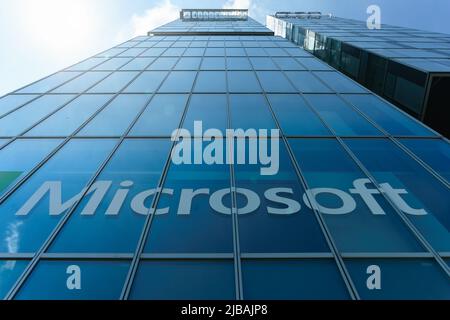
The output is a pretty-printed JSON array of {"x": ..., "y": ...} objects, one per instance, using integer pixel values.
[{"x": 39, "y": 37}]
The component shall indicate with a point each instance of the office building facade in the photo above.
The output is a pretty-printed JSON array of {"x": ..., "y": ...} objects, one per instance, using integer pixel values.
[
  {"x": 408, "y": 67},
  {"x": 93, "y": 205}
]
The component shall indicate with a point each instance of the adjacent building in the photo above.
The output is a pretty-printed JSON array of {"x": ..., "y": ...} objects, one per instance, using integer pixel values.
[
  {"x": 408, "y": 67},
  {"x": 93, "y": 204}
]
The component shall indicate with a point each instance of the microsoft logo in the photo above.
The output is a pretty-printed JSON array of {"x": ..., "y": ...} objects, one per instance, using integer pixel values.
[{"x": 7, "y": 177}]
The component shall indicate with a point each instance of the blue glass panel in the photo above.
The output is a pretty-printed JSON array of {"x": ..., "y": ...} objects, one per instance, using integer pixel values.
[
  {"x": 184, "y": 280},
  {"x": 82, "y": 83},
  {"x": 133, "y": 52},
  {"x": 115, "y": 225},
  {"x": 153, "y": 52},
  {"x": 401, "y": 279},
  {"x": 11, "y": 102},
  {"x": 255, "y": 52},
  {"x": 163, "y": 64},
  {"x": 113, "y": 64},
  {"x": 309, "y": 279},
  {"x": 295, "y": 117},
  {"x": 238, "y": 64},
  {"x": 111, "y": 52},
  {"x": 274, "y": 81},
  {"x": 250, "y": 112},
  {"x": 19, "y": 157},
  {"x": 138, "y": 64},
  {"x": 276, "y": 52},
  {"x": 211, "y": 109},
  {"x": 114, "y": 83},
  {"x": 162, "y": 116},
  {"x": 147, "y": 82},
  {"x": 26, "y": 217},
  {"x": 313, "y": 64},
  {"x": 423, "y": 199},
  {"x": 263, "y": 64},
  {"x": 288, "y": 64},
  {"x": 100, "y": 280},
  {"x": 211, "y": 81},
  {"x": 387, "y": 116},
  {"x": 235, "y": 52},
  {"x": 22, "y": 119},
  {"x": 243, "y": 82},
  {"x": 275, "y": 219},
  {"x": 179, "y": 81},
  {"x": 214, "y": 52},
  {"x": 194, "y": 52},
  {"x": 209, "y": 63},
  {"x": 188, "y": 63},
  {"x": 435, "y": 153},
  {"x": 350, "y": 204},
  {"x": 71, "y": 117},
  {"x": 10, "y": 270},
  {"x": 173, "y": 52},
  {"x": 305, "y": 82},
  {"x": 50, "y": 82},
  {"x": 116, "y": 117},
  {"x": 340, "y": 83},
  {"x": 87, "y": 64},
  {"x": 341, "y": 117}
]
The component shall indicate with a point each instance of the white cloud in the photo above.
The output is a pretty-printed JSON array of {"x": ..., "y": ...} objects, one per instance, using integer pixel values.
[
  {"x": 237, "y": 4},
  {"x": 153, "y": 18}
]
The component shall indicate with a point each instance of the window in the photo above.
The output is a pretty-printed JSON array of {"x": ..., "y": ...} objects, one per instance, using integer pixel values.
[
  {"x": 11, "y": 102},
  {"x": 114, "y": 83},
  {"x": 82, "y": 83},
  {"x": 288, "y": 64},
  {"x": 276, "y": 52},
  {"x": 116, "y": 117},
  {"x": 210, "y": 81},
  {"x": 10, "y": 270},
  {"x": 71, "y": 117},
  {"x": 50, "y": 83},
  {"x": 133, "y": 52},
  {"x": 243, "y": 81},
  {"x": 238, "y": 64},
  {"x": 350, "y": 215},
  {"x": 199, "y": 280},
  {"x": 255, "y": 52},
  {"x": 404, "y": 279},
  {"x": 111, "y": 52},
  {"x": 161, "y": 117},
  {"x": 313, "y": 64},
  {"x": 387, "y": 116},
  {"x": 306, "y": 82},
  {"x": 250, "y": 112},
  {"x": 116, "y": 226},
  {"x": 147, "y": 82},
  {"x": 423, "y": 199},
  {"x": 274, "y": 81},
  {"x": 153, "y": 52},
  {"x": 308, "y": 279},
  {"x": 209, "y": 63},
  {"x": 188, "y": 63},
  {"x": 275, "y": 221},
  {"x": 179, "y": 81},
  {"x": 340, "y": 117},
  {"x": 435, "y": 153},
  {"x": 87, "y": 64},
  {"x": 20, "y": 157},
  {"x": 235, "y": 52},
  {"x": 138, "y": 64},
  {"x": 211, "y": 109},
  {"x": 163, "y": 64},
  {"x": 173, "y": 52},
  {"x": 194, "y": 52},
  {"x": 263, "y": 64},
  {"x": 190, "y": 219},
  {"x": 101, "y": 280},
  {"x": 340, "y": 83},
  {"x": 215, "y": 52},
  {"x": 19, "y": 121},
  {"x": 113, "y": 64},
  {"x": 295, "y": 117},
  {"x": 66, "y": 173}
]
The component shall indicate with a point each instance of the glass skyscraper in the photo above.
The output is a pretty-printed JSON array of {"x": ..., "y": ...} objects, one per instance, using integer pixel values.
[
  {"x": 408, "y": 67},
  {"x": 92, "y": 205}
]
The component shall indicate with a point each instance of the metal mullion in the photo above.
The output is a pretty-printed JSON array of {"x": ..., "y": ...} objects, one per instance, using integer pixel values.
[
  {"x": 149, "y": 219},
  {"x": 321, "y": 221},
  {"x": 21, "y": 280},
  {"x": 234, "y": 210}
]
